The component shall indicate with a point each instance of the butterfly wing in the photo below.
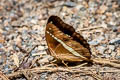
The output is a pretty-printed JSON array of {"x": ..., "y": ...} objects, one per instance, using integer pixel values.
[{"x": 63, "y": 47}]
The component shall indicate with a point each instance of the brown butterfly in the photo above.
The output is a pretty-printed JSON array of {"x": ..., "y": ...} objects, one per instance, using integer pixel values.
[{"x": 64, "y": 43}]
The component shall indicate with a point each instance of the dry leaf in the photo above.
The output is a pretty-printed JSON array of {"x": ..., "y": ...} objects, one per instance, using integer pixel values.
[
  {"x": 16, "y": 60},
  {"x": 1, "y": 39}
]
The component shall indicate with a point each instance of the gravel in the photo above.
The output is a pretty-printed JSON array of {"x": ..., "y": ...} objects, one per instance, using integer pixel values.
[{"x": 22, "y": 25}]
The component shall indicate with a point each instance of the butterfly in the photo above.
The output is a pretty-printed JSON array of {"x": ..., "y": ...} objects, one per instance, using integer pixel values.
[{"x": 64, "y": 43}]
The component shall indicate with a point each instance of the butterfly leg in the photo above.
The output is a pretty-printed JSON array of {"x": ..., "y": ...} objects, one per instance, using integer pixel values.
[
  {"x": 65, "y": 64},
  {"x": 54, "y": 63}
]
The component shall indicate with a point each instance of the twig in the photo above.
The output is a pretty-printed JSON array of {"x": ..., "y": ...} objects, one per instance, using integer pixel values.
[
  {"x": 26, "y": 75},
  {"x": 4, "y": 77},
  {"x": 55, "y": 69},
  {"x": 89, "y": 28},
  {"x": 106, "y": 62},
  {"x": 110, "y": 71},
  {"x": 27, "y": 55},
  {"x": 34, "y": 61}
]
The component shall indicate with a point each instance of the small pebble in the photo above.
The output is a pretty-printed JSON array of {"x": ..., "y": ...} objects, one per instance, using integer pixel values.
[
  {"x": 70, "y": 4},
  {"x": 101, "y": 49},
  {"x": 115, "y": 41}
]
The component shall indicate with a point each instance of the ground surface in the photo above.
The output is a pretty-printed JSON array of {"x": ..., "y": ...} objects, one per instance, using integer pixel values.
[{"x": 22, "y": 34}]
